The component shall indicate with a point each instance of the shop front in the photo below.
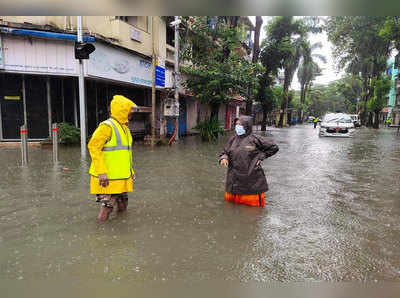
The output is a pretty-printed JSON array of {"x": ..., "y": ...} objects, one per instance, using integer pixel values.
[{"x": 37, "y": 86}]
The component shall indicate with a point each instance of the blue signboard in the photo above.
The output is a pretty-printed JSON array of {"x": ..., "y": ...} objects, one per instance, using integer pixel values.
[
  {"x": 160, "y": 76},
  {"x": 160, "y": 72}
]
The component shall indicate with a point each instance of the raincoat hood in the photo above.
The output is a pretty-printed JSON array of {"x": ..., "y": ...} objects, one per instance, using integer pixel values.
[
  {"x": 120, "y": 108},
  {"x": 247, "y": 123}
]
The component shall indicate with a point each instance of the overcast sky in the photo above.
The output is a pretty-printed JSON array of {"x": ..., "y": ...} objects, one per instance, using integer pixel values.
[{"x": 328, "y": 69}]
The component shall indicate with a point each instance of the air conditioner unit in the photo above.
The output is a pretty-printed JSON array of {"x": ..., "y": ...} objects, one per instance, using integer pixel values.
[{"x": 171, "y": 107}]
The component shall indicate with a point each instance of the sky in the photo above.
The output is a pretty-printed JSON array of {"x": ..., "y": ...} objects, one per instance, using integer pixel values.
[{"x": 329, "y": 73}]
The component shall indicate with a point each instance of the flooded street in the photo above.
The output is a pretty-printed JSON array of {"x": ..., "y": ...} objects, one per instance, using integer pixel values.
[{"x": 332, "y": 214}]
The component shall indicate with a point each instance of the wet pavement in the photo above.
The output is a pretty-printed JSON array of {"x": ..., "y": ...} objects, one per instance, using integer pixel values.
[{"x": 332, "y": 214}]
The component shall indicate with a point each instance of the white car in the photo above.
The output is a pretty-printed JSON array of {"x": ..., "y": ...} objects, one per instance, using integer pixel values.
[
  {"x": 336, "y": 125},
  {"x": 356, "y": 120}
]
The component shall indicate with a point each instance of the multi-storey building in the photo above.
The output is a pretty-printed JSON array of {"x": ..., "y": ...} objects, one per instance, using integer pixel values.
[{"x": 38, "y": 70}]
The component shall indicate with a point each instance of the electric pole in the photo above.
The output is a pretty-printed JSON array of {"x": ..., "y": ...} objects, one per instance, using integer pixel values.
[
  {"x": 176, "y": 69},
  {"x": 82, "y": 102},
  {"x": 153, "y": 88}
]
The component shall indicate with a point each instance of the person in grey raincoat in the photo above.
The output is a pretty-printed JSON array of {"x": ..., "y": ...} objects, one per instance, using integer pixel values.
[{"x": 246, "y": 182}]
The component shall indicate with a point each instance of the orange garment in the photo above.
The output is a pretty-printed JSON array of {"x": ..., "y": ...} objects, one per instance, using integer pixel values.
[{"x": 256, "y": 200}]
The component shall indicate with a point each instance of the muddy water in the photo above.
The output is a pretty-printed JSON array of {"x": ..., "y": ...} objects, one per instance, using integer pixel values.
[{"x": 332, "y": 214}]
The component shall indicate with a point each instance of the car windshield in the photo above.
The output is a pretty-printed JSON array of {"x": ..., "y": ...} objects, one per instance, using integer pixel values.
[{"x": 342, "y": 118}]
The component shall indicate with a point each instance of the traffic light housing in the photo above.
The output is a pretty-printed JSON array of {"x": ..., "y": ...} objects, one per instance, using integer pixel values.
[{"x": 83, "y": 50}]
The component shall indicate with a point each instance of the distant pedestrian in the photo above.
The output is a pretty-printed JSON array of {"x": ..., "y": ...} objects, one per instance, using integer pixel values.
[
  {"x": 388, "y": 122},
  {"x": 243, "y": 154},
  {"x": 316, "y": 122},
  {"x": 111, "y": 171}
]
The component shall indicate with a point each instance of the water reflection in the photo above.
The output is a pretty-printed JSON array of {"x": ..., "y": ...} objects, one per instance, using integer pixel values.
[{"x": 331, "y": 214}]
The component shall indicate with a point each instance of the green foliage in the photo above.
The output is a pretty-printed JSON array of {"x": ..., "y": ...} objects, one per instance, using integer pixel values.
[
  {"x": 210, "y": 129},
  {"x": 391, "y": 30},
  {"x": 325, "y": 98},
  {"x": 216, "y": 72},
  {"x": 358, "y": 44},
  {"x": 283, "y": 48},
  {"x": 381, "y": 88},
  {"x": 68, "y": 133}
]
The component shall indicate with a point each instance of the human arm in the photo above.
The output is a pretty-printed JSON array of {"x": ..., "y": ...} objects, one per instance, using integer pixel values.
[
  {"x": 224, "y": 155},
  {"x": 100, "y": 137},
  {"x": 266, "y": 147}
]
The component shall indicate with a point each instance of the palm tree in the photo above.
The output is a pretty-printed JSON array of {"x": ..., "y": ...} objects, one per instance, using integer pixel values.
[
  {"x": 290, "y": 64},
  {"x": 308, "y": 71}
]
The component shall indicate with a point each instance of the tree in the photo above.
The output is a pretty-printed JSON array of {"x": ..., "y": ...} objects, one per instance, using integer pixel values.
[
  {"x": 290, "y": 64},
  {"x": 350, "y": 87},
  {"x": 360, "y": 49},
  {"x": 308, "y": 71},
  {"x": 275, "y": 48},
  {"x": 378, "y": 101},
  {"x": 216, "y": 70},
  {"x": 391, "y": 31},
  {"x": 256, "y": 54}
]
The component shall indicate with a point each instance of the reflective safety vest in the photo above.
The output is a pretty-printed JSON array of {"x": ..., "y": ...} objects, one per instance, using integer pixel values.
[{"x": 117, "y": 153}]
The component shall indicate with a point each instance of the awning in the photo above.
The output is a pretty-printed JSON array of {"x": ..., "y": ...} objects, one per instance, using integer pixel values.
[{"x": 45, "y": 34}]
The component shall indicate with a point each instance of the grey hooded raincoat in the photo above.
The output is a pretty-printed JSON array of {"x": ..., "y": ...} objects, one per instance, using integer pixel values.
[{"x": 243, "y": 153}]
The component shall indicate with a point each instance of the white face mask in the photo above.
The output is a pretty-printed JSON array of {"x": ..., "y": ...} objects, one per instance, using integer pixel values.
[{"x": 240, "y": 130}]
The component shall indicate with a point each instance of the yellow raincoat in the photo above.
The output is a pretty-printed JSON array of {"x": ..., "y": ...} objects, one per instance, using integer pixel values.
[{"x": 120, "y": 108}]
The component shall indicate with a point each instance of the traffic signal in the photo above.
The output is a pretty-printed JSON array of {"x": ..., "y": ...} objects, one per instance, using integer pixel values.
[{"x": 83, "y": 50}]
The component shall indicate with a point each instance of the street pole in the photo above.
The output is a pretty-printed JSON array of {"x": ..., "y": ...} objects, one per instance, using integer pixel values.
[
  {"x": 82, "y": 101},
  {"x": 176, "y": 69},
  {"x": 153, "y": 89}
]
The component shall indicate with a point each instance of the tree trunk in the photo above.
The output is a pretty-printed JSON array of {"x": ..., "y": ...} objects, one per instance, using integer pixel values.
[
  {"x": 264, "y": 122},
  {"x": 249, "y": 105},
  {"x": 364, "y": 115},
  {"x": 284, "y": 99},
  {"x": 302, "y": 98},
  {"x": 256, "y": 47},
  {"x": 370, "y": 119},
  {"x": 283, "y": 109},
  {"x": 376, "y": 124},
  {"x": 301, "y": 102},
  {"x": 256, "y": 53}
]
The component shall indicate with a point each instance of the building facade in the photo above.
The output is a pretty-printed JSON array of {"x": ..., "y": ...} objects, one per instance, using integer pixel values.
[
  {"x": 38, "y": 70},
  {"x": 39, "y": 74}
]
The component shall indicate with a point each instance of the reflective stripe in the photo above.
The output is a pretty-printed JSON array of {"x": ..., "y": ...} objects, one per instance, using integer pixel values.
[
  {"x": 121, "y": 147},
  {"x": 119, "y": 141},
  {"x": 117, "y": 135}
]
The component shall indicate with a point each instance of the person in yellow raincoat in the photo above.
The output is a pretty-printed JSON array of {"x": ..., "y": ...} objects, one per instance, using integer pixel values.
[{"x": 111, "y": 171}]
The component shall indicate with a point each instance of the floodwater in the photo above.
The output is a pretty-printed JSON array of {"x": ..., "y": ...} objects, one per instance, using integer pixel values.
[{"x": 332, "y": 214}]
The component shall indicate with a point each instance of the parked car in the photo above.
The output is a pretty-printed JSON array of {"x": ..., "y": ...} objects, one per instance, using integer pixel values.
[
  {"x": 336, "y": 125},
  {"x": 356, "y": 120}
]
